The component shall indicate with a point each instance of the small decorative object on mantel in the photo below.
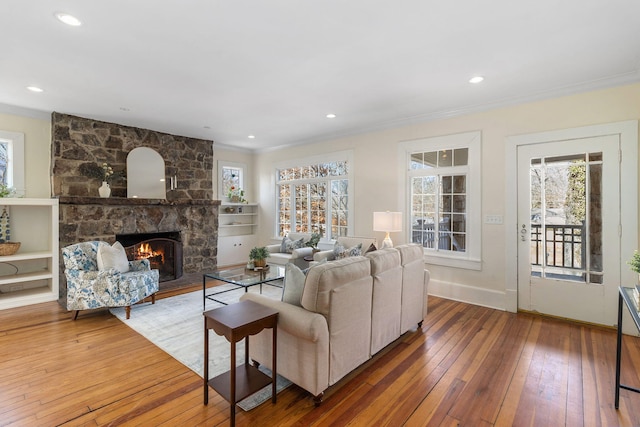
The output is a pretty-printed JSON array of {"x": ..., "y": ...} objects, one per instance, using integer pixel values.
[
  {"x": 229, "y": 209},
  {"x": 6, "y": 247},
  {"x": 259, "y": 256},
  {"x": 103, "y": 172},
  {"x": 236, "y": 195},
  {"x": 104, "y": 190}
]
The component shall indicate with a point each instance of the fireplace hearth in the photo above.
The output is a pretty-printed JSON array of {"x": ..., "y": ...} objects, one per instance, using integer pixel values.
[{"x": 163, "y": 250}]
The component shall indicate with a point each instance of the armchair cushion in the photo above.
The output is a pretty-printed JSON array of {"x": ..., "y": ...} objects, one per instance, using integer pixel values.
[{"x": 113, "y": 257}]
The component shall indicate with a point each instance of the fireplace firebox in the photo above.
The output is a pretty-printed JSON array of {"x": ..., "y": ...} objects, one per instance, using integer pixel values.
[{"x": 163, "y": 250}]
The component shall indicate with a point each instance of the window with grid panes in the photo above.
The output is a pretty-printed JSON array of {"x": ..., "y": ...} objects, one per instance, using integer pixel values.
[
  {"x": 313, "y": 199},
  {"x": 443, "y": 198}
]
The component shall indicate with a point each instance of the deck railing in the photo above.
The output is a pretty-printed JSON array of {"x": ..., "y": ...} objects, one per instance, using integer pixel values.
[{"x": 565, "y": 246}]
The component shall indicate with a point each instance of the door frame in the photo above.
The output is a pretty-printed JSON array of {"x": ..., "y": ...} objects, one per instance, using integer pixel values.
[{"x": 627, "y": 132}]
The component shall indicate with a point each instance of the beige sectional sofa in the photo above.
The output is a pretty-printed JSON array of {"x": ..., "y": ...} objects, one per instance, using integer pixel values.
[{"x": 350, "y": 309}]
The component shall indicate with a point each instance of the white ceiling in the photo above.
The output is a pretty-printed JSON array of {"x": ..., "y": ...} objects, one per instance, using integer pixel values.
[{"x": 226, "y": 69}]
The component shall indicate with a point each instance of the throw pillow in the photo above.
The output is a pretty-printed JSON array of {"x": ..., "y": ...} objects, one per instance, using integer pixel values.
[
  {"x": 113, "y": 257},
  {"x": 371, "y": 248},
  {"x": 291, "y": 245},
  {"x": 339, "y": 251},
  {"x": 355, "y": 250},
  {"x": 293, "y": 284}
]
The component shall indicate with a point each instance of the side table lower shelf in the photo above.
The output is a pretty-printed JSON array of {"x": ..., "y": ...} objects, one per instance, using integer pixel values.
[{"x": 249, "y": 379}]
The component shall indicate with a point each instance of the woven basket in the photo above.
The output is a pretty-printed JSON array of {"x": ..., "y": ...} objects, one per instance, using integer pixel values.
[{"x": 9, "y": 248}]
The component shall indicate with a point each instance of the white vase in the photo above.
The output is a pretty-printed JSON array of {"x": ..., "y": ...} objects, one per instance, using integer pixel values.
[{"x": 104, "y": 190}]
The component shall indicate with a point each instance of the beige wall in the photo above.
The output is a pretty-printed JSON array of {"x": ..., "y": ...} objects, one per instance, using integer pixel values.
[
  {"x": 37, "y": 151},
  {"x": 378, "y": 184}
]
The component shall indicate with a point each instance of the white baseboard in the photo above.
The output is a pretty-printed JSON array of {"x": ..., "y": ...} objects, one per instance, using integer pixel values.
[{"x": 468, "y": 294}]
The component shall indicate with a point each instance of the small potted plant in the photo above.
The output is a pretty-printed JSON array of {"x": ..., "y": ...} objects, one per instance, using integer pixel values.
[
  {"x": 259, "y": 256},
  {"x": 634, "y": 262},
  {"x": 313, "y": 242}
]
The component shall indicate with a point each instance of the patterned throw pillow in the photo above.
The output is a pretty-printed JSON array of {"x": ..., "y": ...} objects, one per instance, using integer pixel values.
[
  {"x": 355, "y": 250},
  {"x": 288, "y": 245},
  {"x": 339, "y": 251}
]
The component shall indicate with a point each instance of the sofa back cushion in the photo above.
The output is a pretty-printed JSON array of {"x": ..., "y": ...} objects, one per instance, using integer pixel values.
[
  {"x": 349, "y": 242},
  {"x": 387, "y": 297},
  {"x": 341, "y": 291},
  {"x": 82, "y": 256},
  {"x": 324, "y": 278},
  {"x": 414, "y": 296}
]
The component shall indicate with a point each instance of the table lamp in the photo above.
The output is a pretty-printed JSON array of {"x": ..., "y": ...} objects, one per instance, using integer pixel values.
[{"x": 388, "y": 222}]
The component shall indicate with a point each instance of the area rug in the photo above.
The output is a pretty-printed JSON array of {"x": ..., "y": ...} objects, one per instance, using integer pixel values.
[{"x": 176, "y": 326}]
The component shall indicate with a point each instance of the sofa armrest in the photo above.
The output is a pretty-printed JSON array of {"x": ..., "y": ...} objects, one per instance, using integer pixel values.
[
  {"x": 324, "y": 255},
  {"x": 273, "y": 249},
  {"x": 295, "y": 320},
  {"x": 139, "y": 265},
  {"x": 301, "y": 252}
]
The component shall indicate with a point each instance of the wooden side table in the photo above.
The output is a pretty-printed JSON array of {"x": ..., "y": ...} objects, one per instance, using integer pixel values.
[{"x": 235, "y": 322}]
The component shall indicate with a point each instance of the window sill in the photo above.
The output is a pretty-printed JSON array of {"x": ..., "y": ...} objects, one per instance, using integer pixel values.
[{"x": 455, "y": 262}]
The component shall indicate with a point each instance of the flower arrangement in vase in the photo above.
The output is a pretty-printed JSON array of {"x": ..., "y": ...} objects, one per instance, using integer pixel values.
[
  {"x": 236, "y": 195},
  {"x": 104, "y": 172}
]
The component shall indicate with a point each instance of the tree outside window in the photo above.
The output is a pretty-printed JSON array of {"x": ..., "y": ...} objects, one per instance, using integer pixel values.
[{"x": 313, "y": 199}]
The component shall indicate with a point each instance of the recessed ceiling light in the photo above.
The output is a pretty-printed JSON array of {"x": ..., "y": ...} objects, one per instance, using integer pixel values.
[
  {"x": 124, "y": 109},
  {"x": 331, "y": 116},
  {"x": 476, "y": 79},
  {"x": 35, "y": 89},
  {"x": 251, "y": 137},
  {"x": 68, "y": 19}
]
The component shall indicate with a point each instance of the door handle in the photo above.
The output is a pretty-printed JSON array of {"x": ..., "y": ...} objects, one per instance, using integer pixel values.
[{"x": 523, "y": 233}]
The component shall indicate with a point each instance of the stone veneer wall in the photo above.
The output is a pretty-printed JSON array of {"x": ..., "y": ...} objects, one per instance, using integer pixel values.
[
  {"x": 77, "y": 140},
  {"x": 189, "y": 210}
]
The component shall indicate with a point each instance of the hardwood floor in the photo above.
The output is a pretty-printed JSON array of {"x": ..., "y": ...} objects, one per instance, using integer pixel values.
[{"x": 467, "y": 365}]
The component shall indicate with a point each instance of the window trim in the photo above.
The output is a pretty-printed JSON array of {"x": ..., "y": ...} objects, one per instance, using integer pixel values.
[
  {"x": 472, "y": 258},
  {"x": 346, "y": 155},
  {"x": 16, "y": 172}
]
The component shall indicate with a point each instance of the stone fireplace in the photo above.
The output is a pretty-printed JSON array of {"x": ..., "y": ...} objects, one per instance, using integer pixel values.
[
  {"x": 163, "y": 250},
  {"x": 188, "y": 210}
]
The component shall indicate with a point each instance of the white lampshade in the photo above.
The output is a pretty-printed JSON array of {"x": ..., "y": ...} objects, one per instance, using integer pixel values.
[{"x": 388, "y": 222}]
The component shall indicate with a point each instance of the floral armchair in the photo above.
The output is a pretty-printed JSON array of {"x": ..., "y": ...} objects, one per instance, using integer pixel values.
[{"x": 89, "y": 288}]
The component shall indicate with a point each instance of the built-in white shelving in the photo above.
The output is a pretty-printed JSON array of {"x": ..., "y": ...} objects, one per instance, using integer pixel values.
[
  {"x": 30, "y": 276},
  {"x": 237, "y": 230}
]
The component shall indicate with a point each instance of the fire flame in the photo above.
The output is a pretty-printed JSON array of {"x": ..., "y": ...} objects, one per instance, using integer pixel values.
[{"x": 145, "y": 251}]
